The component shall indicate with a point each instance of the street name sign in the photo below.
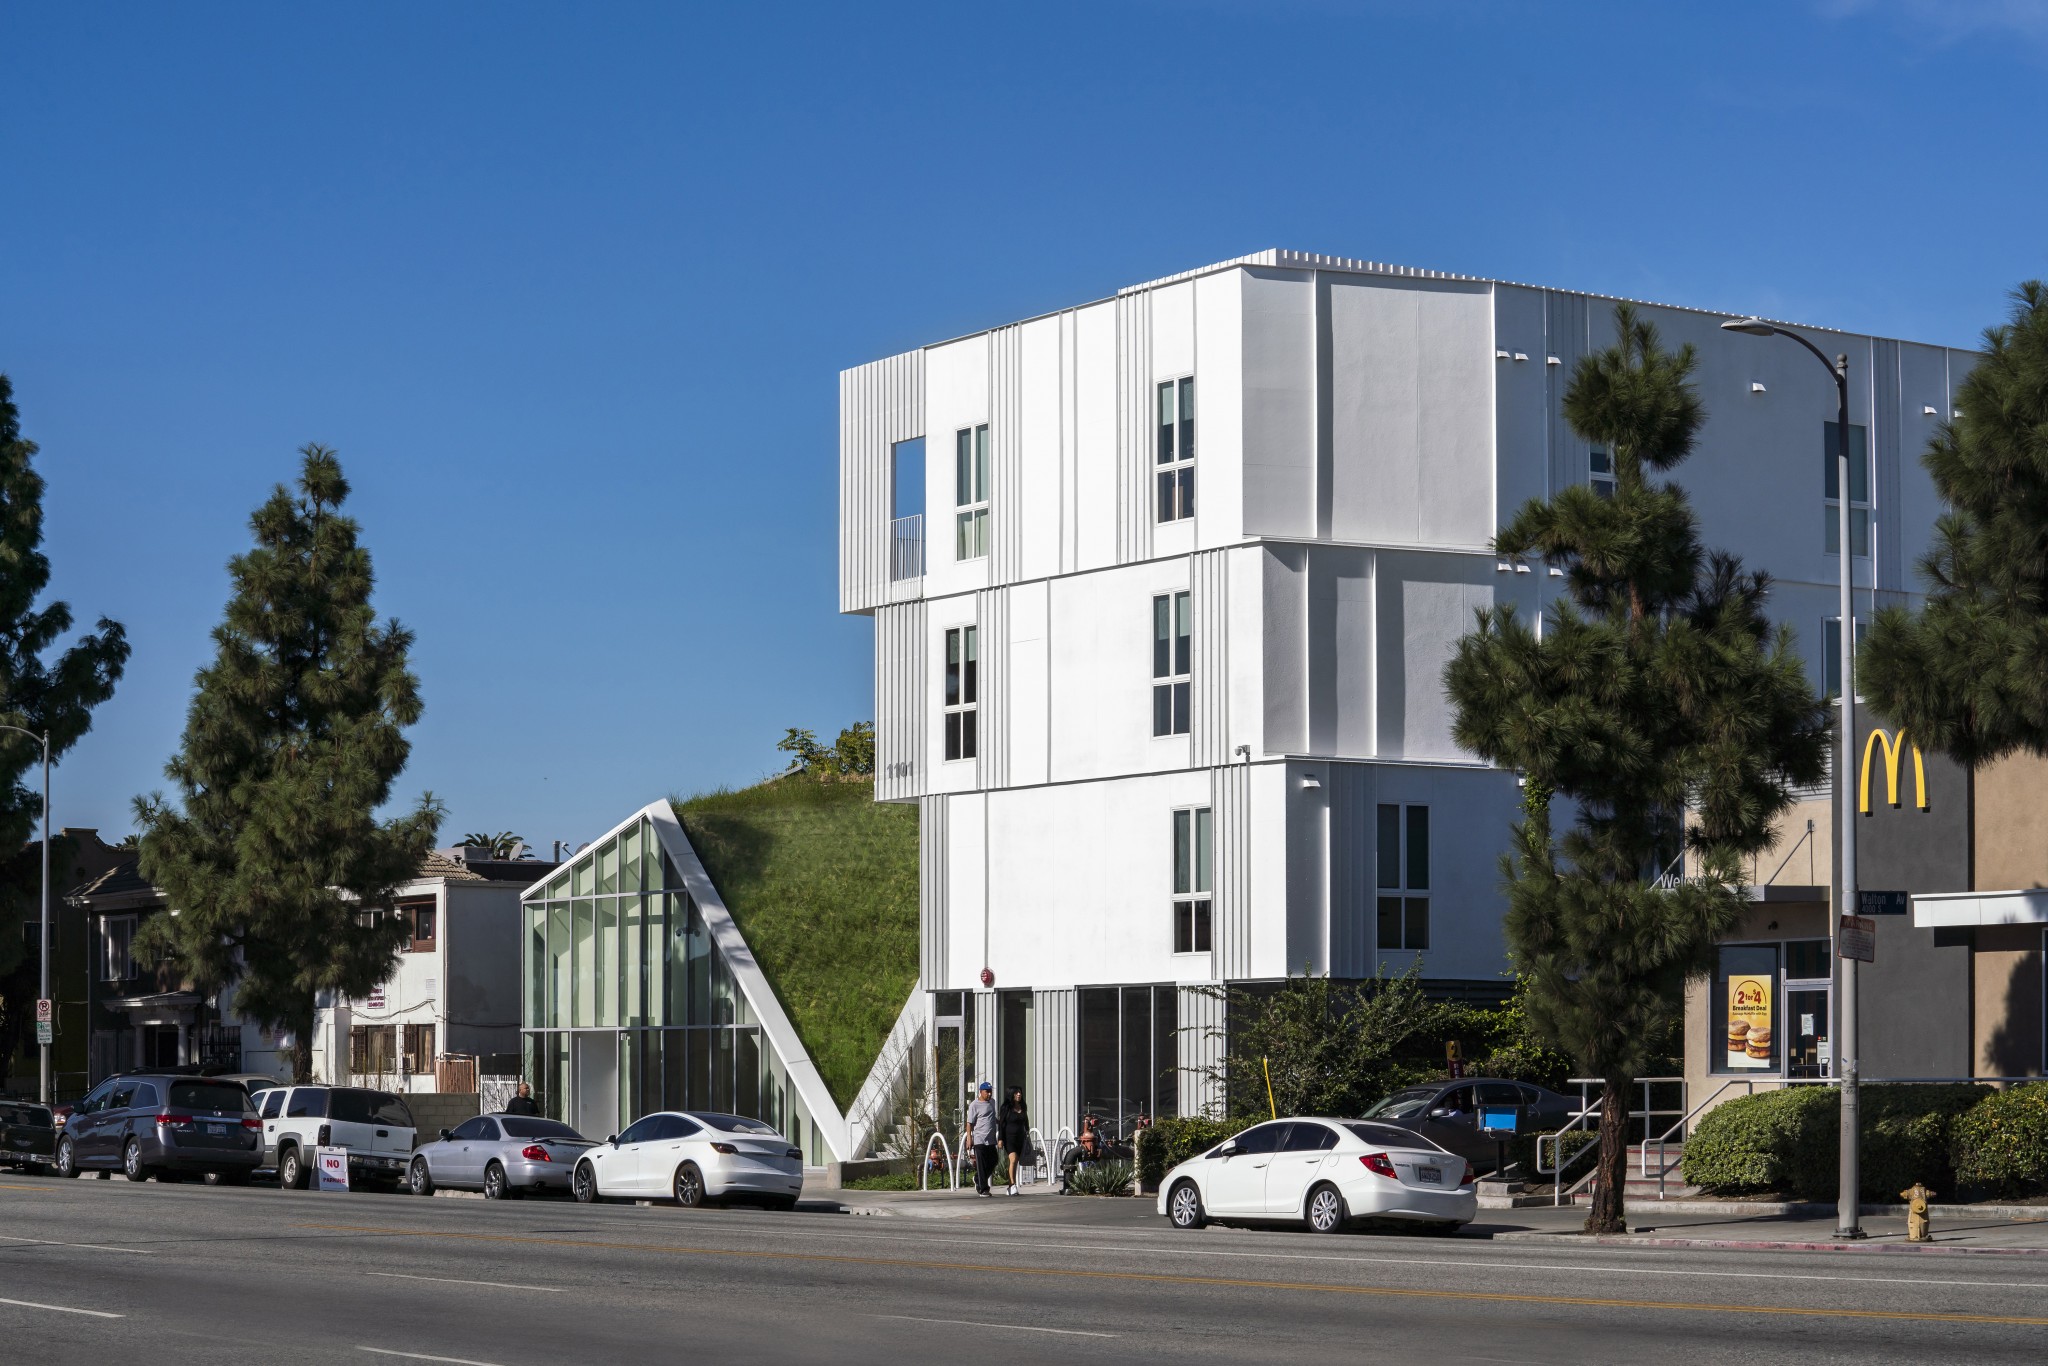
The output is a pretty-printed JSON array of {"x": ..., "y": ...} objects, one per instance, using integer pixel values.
[{"x": 1881, "y": 903}]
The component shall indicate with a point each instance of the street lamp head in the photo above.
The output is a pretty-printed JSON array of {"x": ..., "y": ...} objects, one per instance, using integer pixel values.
[{"x": 1755, "y": 327}]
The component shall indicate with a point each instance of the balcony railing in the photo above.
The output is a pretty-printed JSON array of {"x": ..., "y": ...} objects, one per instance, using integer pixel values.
[{"x": 906, "y": 547}]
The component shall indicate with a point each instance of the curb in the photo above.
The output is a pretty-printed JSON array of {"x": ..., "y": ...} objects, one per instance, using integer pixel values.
[
  {"x": 1761, "y": 1208},
  {"x": 1770, "y": 1245}
]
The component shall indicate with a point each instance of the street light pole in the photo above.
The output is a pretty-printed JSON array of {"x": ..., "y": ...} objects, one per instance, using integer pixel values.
[
  {"x": 1848, "y": 1194},
  {"x": 43, "y": 951}
]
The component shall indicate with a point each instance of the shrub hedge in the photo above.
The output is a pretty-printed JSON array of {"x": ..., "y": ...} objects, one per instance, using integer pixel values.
[
  {"x": 1789, "y": 1141},
  {"x": 2001, "y": 1144},
  {"x": 1170, "y": 1142}
]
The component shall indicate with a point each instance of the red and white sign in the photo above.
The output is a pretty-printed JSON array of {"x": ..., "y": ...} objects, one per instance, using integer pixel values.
[
  {"x": 376, "y": 1001},
  {"x": 43, "y": 1013},
  {"x": 1858, "y": 938}
]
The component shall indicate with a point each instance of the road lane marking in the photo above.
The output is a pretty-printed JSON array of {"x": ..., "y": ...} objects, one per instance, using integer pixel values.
[
  {"x": 450, "y": 1280},
  {"x": 96, "y": 1247},
  {"x": 422, "y": 1356},
  {"x": 63, "y": 1309},
  {"x": 24, "y": 1188},
  {"x": 1159, "y": 1278},
  {"x": 1013, "y": 1327}
]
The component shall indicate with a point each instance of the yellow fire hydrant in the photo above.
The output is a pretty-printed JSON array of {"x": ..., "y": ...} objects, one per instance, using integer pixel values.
[{"x": 1916, "y": 1212}]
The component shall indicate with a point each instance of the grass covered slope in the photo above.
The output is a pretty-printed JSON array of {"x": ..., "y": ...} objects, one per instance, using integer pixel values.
[{"x": 822, "y": 881}]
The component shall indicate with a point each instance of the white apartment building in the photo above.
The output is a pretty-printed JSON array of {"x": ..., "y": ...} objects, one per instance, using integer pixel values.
[{"x": 1163, "y": 588}]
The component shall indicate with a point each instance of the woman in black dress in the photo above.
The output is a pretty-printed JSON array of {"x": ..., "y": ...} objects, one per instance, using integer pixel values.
[{"x": 1014, "y": 1126}]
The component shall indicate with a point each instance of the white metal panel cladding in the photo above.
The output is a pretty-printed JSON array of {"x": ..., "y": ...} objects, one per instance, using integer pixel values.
[
  {"x": 988, "y": 1026},
  {"x": 1055, "y": 1050},
  {"x": 1199, "y": 1050},
  {"x": 934, "y": 911},
  {"x": 1230, "y": 907},
  {"x": 880, "y": 403},
  {"x": 1565, "y": 334},
  {"x": 1006, "y": 429},
  {"x": 1354, "y": 926},
  {"x": 900, "y": 685},
  {"x": 1134, "y": 431},
  {"x": 992, "y": 744},
  {"x": 1888, "y": 564},
  {"x": 1209, "y": 581}
]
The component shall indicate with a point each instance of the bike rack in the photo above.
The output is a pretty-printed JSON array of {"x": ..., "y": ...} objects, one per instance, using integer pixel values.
[{"x": 924, "y": 1168}]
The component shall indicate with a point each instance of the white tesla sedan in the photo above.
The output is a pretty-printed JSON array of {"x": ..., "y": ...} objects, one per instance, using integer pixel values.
[
  {"x": 693, "y": 1158},
  {"x": 1326, "y": 1173}
]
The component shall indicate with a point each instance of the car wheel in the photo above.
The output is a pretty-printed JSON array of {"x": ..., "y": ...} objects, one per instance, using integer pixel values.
[
  {"x": 418, "y": 1178},
  {"x": 496, "y": 1187},
  {"x": 689, "y": 1187},
  {"x": 584, "y": 1184},
  {"x": 291, "y": 1170},
  {"x": 1326, "y": 1212},
  {"x": 66, "y": 1163},
  {"x": 1184, "y": 1206},
  {"x": 131, "y": 1161}
]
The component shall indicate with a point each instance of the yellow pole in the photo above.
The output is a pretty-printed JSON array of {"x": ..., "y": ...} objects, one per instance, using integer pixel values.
[{"x": 1269, "y": 1088}]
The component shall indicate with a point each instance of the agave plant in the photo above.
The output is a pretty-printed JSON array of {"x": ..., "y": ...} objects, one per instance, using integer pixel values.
[{"x": 1101, "y": 1178}]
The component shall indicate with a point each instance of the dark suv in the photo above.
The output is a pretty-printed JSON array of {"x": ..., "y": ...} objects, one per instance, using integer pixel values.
[
  {"x": 27, "y": 1134},
  {"x": 151, "y": 1124}
]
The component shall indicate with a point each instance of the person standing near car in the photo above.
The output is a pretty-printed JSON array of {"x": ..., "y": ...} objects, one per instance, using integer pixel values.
[
  {"x": 522, "y": 1102},
  {"x": 1015, "y": 1126},
  {"x": 984, "y": 1131}
]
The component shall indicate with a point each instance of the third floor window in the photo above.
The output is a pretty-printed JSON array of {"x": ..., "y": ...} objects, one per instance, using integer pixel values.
[
  {"x": 1177, "y": 449},
  {"x": 963, "y": 690},
  {"x": 970, "y": 493},
  {"x": 1172, "y": 658},
  {"x": 1859, "y": 489}
]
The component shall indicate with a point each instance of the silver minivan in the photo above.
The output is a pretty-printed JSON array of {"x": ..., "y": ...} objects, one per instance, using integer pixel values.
[{"x": 375, "y": 1128}]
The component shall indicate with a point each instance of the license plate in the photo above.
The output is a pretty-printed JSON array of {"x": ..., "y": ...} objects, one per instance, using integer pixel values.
[
  {"x": 1430, "y": 1176},
  {"x": 216, "y": 1128}
]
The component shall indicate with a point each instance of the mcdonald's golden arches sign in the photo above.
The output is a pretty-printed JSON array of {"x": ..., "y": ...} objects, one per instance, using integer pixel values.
[{"x": 1893, "y": 748}]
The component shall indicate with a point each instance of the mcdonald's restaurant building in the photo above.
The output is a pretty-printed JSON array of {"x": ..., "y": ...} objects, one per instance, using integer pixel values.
[{"x": 1956, "y": 985}]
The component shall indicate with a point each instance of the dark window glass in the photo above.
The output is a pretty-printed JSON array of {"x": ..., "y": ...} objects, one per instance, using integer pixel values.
[
  {"x": 471, "y": 1130},
  {"x": 1310, "y": 1138},
  {"x": 1390, "y": 922},
  {"x": 1458, "y": 1100},
  {"x": 1162, "y": 637},
  {"x": 273, "y": 1104},
  {"x": 1498, "y": 1093},
  {"x": 1404, "y": 1104},
  {"x": 1386, "y": 1136},
  {"x": 737, "y": 1124},
  {"x": 1859, "y": 461},
  {"x": 1167, "y": 511},
  {"x": 1187, "y": 491},
  {"x": 1180, "y": 709},
  {"x": 1806, "y": 958},
  {"x": 217, "y": 1097},
  {"x": 1162, "y": 709},
  {"x": 145, "y": 1096},
  {"x": 1137, "y": 1054},
  {"x": 676, "y": 1126},
  {"x": 1201, "y": 916},
  {"x": 1166, "y": 422},
  {"x": 1415, "y": 923},
  {"x": 967, "y": 728},
  {"x": 952, "y": 735},
  {"x": 641, "y": 1130},
  {"x": 1418, "y": 849},
  {"x": 353, "y": 1105},
  {"x": 1264, "y": 1138},
  {"x": 423, "y": 924},
  {"x": 1187, "y": 421},
  {"x": 1165, "y": 1049},
  {"x": 527, "y": 1126},
  {"x": 1390, "y": 846},
  {"x": 1100, "y": 1092},
  {"x": 307, "y": 1102}
]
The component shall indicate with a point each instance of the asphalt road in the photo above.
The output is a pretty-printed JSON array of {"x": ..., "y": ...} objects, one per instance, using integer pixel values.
[{"x": 108, "y": 1271}]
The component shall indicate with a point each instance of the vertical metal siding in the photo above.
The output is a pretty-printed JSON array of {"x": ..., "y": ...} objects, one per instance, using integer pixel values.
[
  {"x": 1354, "y": 926},
  {"x": 1231, "y": 904},
  {"x": 1006, "y": 475},
  {"x": 900, "y": 687},
  {"x": 934, "y": 909},
  {"x": 1055, "y": 1103},
  {"x": 1209, "y": 578},
  {"x": 880, "y": 403},
  {"x": 1888, "y": 568},
  {"x": 992, "y": 750},
  {"x": 1135, "y": 421},
  {"x": 987, "y": 1026},
  {"x": 1199, "y": 1048}
]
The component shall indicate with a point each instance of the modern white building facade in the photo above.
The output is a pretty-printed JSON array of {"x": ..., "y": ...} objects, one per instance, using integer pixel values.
[{"x": 1163, "y": 588}]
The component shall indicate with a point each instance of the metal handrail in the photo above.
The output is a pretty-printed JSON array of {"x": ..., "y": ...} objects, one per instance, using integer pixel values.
[
  {"x": 1588, "y": 1110},
  {"x": 924, "y": 1168},
  {"x": 1663, "y": 1167}
]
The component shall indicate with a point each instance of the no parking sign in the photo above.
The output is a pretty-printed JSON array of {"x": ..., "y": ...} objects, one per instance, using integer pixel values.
[{"x": 332, "y": 1164}]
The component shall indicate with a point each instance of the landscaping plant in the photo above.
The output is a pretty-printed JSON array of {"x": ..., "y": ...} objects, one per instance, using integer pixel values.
[
  {"x": 2000, "y": 1144},
  {"x": 1661, "y": 705},
  {"x": 1101, "y": 1178}
]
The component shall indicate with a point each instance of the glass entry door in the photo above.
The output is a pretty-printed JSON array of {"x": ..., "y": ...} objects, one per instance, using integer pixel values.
[
  {"x": 952, "y": 1060},
  {"x": 1806, "y": 1029}
]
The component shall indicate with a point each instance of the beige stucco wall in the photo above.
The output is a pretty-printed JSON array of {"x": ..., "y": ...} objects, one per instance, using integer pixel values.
[
  {"x": 2006, "y": 1010},
  {"x": 2011, "y": 818}
]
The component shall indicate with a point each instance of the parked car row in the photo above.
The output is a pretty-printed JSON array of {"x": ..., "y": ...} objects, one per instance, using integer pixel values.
[{"x": 229, "y": 1129}]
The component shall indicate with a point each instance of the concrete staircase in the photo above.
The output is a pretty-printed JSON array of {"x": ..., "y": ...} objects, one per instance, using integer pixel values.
[{"x": 1644, "y": 1189}]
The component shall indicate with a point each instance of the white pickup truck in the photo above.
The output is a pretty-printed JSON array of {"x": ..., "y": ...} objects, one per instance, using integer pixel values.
[{"x": 374, "y": 1126}]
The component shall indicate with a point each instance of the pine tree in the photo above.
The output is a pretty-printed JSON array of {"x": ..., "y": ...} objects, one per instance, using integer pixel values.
[
  {"x": 39, "y": 696},
  {"x": 1660, "y": 703},
  {"x": 293, "y": 740},
  {"x": 1968, "y": 675}
]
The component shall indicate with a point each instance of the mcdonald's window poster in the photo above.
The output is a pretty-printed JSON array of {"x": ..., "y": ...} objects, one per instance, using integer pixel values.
[{"x": 1749, "y": 1021}]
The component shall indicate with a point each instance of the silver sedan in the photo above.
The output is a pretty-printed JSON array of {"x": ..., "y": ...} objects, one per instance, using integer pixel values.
[{"x": 503, "y": 1156}]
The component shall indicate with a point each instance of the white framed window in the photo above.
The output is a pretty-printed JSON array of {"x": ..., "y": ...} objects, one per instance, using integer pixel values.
[
  {"x": 1176, "y": 478},
  {"x": 1191, "y": 879},
  {"x": 1403, "y": 876},
  {"x": 963, "y": 690},
  {"x": 1172, "y": 661},
  {"x": 1601, "y": 479},
  {"x": 1859, "y": 489},
  {"x": 117, "y": 940},
  {"x": 970, "y": 493},
  {"x": 1831, "y": 647}
]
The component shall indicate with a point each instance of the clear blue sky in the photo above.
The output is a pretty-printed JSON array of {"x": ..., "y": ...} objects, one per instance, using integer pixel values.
[{"x": 569, "y": 286}]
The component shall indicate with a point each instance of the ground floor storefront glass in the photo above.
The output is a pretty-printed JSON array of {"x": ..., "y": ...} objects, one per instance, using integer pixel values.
[{"x": 1128, "y": 1054}]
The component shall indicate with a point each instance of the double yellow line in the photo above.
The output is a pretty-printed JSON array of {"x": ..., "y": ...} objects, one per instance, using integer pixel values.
[{"x": 1479, "y": 1296}]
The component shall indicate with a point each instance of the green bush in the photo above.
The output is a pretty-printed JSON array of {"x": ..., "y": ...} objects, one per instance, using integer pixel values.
[
  {"x": 1788, "y": 1141},
  {"x": 887, "y": 1181},
  {"x": 2001, "y": 1144},
  {"x": 1101, "y": 1178},
  {"x": 1170, "y": 1142}
]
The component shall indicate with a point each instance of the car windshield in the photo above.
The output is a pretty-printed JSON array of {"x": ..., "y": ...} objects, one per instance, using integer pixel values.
[
  {"x": 222, "y": 1097},
  {"x": 734, "y": 1124},
  {"x": 1403, "y": 1104},
  {"x": 524, "y": 1126},
  {"x": 1387, "y": 1136},
  {"x": 355, "y": 1106},
  {"x": 30, "y": 1117}
]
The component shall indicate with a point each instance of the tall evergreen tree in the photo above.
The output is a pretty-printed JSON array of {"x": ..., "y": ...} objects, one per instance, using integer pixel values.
[
  {"x": 1659, "y": 701},
  {"x": 293, "y": 740},
  {"x": 1968, "y": 674},
  {"x": 40, "y": 695}
]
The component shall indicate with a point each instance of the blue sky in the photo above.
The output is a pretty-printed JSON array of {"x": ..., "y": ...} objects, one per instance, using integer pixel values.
[{"x": 569, "y": 287}]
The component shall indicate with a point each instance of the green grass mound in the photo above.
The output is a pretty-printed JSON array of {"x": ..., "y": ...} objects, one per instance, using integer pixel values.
[{"x": 822, "y": 881}]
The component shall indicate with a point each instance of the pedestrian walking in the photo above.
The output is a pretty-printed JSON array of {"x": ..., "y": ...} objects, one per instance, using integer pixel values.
[
  {"x": 1015, "y": 1126},
  {"x": 522, "y": 1102},
  {"x": 984, "y": 1131}
]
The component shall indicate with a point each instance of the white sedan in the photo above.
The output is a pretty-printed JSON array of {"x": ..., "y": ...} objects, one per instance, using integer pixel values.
[
  {"x": 693, "y": 1158},
  {"x": 1326, "y": 1173}
]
